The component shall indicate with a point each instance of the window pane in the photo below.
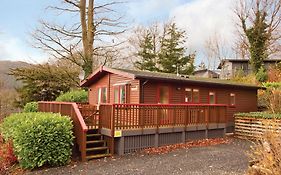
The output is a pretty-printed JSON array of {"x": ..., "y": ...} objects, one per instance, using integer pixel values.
[
  {"x": 122, "y": 94},
  {"x": 99, "y": 95},
  {"x": 212, "y": 98},
  {"x": 196, "y": 95},
  {"x": 232, "y": 99},
  {"x": 116, "y": 95},
  {"x": 188, "y": 95},
  {"x": 164, "y": 95},
  {"x": 104, "y": 95}
]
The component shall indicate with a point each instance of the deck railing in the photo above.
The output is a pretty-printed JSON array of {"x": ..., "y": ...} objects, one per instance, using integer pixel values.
[
  {"x": 71, "y": 110},
  {"x": 138, "y": 116}
]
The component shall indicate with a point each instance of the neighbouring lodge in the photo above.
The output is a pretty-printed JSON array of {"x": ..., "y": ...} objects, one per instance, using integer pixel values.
[{"x": 129, "y": 110}]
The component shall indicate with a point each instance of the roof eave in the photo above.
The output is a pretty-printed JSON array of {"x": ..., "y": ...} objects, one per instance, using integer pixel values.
[{"x": 88, "y": 81}]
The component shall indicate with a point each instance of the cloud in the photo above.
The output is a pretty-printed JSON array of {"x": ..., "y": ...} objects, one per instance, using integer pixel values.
[
  {"x": 14, "y": 49},
  {"x": 202, "y": 18}
]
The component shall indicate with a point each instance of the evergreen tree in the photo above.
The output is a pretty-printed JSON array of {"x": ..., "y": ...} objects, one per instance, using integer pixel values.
[
  {"x": 147, "y": 53},
  {"x": 172, "y": 56}
]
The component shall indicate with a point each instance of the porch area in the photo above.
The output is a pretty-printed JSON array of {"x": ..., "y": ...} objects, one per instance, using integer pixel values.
[{"x": 110, "y": 129}]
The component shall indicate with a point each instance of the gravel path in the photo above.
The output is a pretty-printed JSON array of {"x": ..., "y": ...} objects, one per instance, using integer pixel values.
[{"x": 213, "y": 160}]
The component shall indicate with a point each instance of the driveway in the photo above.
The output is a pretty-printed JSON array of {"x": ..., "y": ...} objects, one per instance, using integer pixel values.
[{"x": 222, "y": 159}]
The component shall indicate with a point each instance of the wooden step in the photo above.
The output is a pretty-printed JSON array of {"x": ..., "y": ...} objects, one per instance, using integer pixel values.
[
  {"x": 93, "y": 135},
  {"x": 97, "y": 148},
  {"x": 95, "y": 141},
  {"x": 97, "y": 156}
]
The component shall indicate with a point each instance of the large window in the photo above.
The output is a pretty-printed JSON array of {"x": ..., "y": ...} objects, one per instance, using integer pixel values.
[
  {"x": 188, "y": 95},
  {"x": 120, "y": 94},
  {"x": 102, "y": 95},
  {"x": 191, "y": 95},
  {"x": 163, "y": 95},
  {"x": 212, "y": 97},
  {"x": 232, "y": 99}
]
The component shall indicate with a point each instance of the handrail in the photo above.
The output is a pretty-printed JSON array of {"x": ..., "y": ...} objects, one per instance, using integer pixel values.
[
  {"x": 179, "y": 104},
  {"x": 76, "y": 109}
]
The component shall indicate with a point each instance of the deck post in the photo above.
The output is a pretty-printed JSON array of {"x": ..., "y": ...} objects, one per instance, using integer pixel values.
[
  {"x": 112, "y": 128},
  {"x": 121, "y": 146},
  {"x": 183, "y": 136},
  {"x": 156, "y": 141}
]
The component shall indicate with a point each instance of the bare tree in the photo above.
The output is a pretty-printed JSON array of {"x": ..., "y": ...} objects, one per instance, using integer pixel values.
[
  {"x": 247, "y": 12},
  {"x": 215, "y": 49},
  {"x": 81, "y": 39}
]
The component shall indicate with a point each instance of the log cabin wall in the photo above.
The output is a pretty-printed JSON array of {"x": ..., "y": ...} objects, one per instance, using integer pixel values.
[
  {"x": 108, "y": 81},
  {"x": 245, "y": 98}
]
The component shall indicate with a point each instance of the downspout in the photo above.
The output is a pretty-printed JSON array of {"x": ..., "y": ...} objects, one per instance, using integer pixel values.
[{"x": 142, "y": 91}]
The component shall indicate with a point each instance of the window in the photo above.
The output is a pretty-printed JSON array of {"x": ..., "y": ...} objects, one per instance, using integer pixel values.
[
  {"x": 232, "y": 99},
  {"x": 102, "y": 95},
  {"x": 116, "y": 95},
  {"x": 188, "y": 95},
  {"x": 195, "y": 95},
  {"x": 163, "y": 95},
  {"x": 212, "y": 97},
  {"x": 191, "y": 95},
  {"x": 120, "y": 94}
]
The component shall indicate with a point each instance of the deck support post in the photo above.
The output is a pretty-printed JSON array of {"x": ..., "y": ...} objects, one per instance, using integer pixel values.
[
  {"x": 183, "y": 136},
  {"x": 206, "y": 133},
  {"x": 156, "y": 141},
  {"x": 120, "y": 146}
]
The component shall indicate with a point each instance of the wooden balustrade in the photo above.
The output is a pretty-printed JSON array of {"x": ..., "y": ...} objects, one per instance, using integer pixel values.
[
  {"x": 69, "y": 109},
  {"x": 90, "y": 115},
  {"x": 134, "y": 116}
]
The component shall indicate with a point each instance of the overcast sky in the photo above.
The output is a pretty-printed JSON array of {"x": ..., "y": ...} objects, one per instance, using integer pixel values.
[{"x": 200, "y": 18}]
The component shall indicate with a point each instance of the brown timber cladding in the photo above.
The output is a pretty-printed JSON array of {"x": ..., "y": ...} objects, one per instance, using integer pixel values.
[
  {"x": 108, "y": 81},
  {"x": 246, "y": 99}
]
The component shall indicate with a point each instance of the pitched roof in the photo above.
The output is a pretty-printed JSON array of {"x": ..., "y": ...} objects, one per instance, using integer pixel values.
[
  {"x": 136, "y": 74},
  {"x": 205, "y": 70},
  {"x": 246, "y": 60}
]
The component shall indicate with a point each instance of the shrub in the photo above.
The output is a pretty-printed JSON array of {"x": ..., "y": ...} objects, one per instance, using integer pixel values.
[
  {"x": 274, "y": 74},
  {"x": 7, "y": 157},
  {"x": 266, "y": 155},
  {"x": 264, "y": 115},
  {"x": 261, "y": 75},
  {"x": 74, "y": 96},
  {"x": 31, "y": 107},
  {"x": 272, "y": 85},
  {"x": 39, "y": 138},
  {"x": 249, "y": 79}
]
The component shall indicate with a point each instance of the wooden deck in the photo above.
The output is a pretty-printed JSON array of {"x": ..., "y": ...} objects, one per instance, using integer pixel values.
[{"x": 116, "y": 118}]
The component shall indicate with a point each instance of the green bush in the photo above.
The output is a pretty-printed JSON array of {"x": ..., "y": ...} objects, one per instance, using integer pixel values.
[
  {"x": 261, "y": 75},
  {"x": 39, "y": 138},
  {"x": 264, "y": 115},
  {"x": 272, "y": 85},
  {"x": 31, "y": 107},
  {"x": 74, "y": 96}
]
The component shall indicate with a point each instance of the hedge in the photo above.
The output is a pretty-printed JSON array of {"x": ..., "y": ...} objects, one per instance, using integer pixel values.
[
  {"x": 31, "y": 107},
  {"x": 39, "y": 138},
  {"x": 74, "y": 96},
  {"x": 263, "y": 115}
]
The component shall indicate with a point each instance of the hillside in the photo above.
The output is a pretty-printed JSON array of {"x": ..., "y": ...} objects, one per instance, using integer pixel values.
[{"x": 5, "y": 66}]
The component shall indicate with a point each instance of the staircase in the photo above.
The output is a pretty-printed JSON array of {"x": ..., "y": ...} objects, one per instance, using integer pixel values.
[{"x": 96, "y": 146}]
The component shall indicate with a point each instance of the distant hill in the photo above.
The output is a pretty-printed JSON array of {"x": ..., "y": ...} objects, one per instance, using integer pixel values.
[{"x": 5, "y": 66}]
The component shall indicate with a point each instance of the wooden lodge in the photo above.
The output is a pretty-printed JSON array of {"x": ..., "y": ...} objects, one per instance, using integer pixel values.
[{"x": 130, "y": 110}]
